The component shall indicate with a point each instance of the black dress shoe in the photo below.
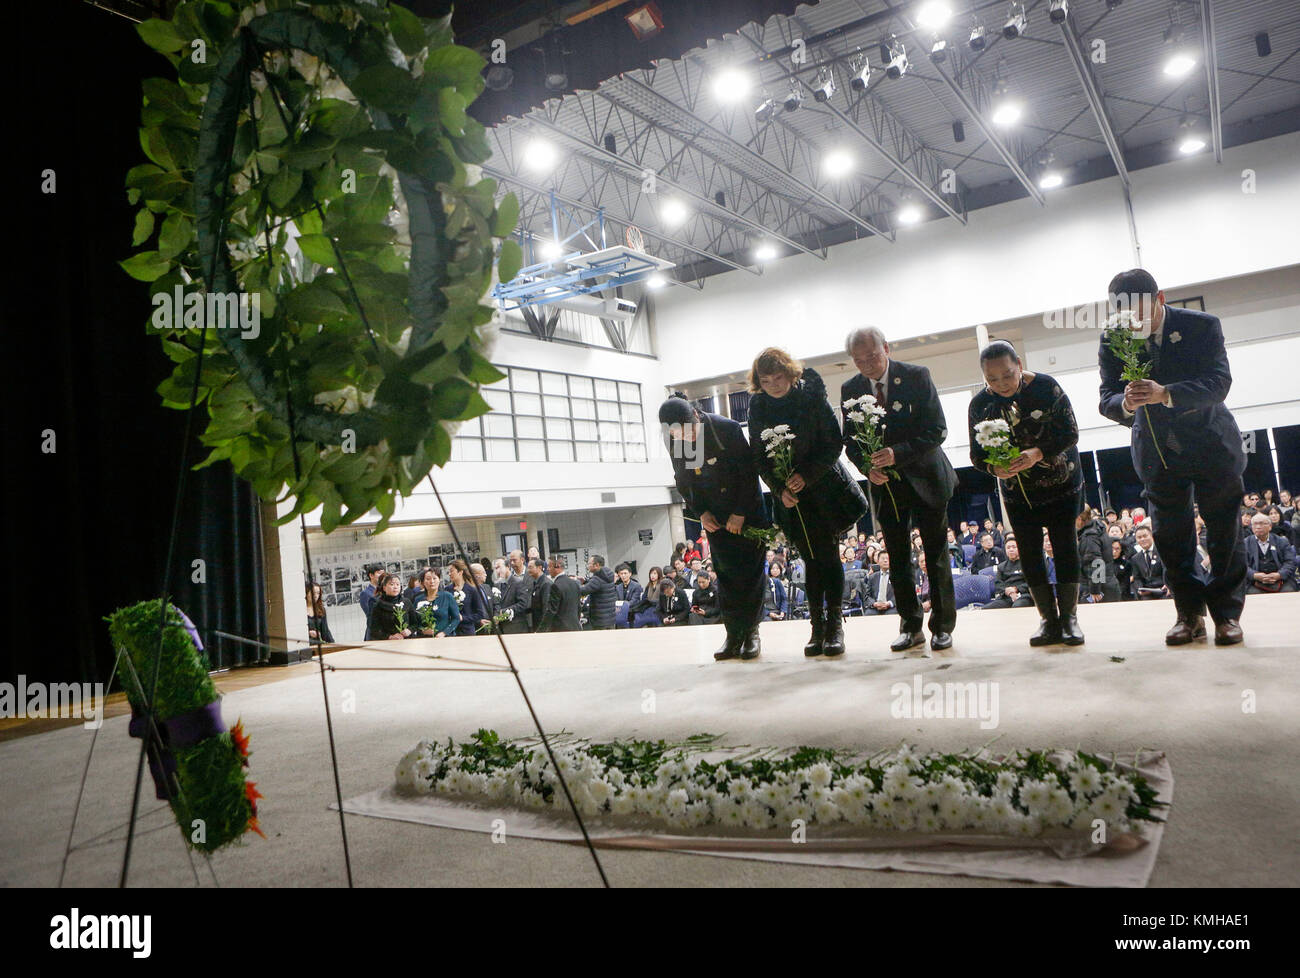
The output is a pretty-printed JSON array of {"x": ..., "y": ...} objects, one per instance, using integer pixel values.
[
  {"x": 907, "y": 640},
  {"x": 1228, "y": 632},
  {"x": 940, "y": 641},
  {"x": 833, "y": 643},
  {"x": 752, "y": 646}
]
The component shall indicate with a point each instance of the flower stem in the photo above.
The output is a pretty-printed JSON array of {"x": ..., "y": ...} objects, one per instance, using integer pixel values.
[
  {"x": 892, "y": 502},
  {"x": 1020, "y": 483},
  {"x": 799, "y": 513},
  {"x": 1156, "y": 441}
]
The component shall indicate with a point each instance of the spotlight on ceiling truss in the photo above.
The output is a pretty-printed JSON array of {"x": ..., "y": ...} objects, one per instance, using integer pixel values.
[
  {"x": 1017, "y": 22},
  {"x": 824, "y": 86},
  {"x": 859, "y": 72},
  {"x": 894, "y": 53},
  {"x": 793, "y": 98}
]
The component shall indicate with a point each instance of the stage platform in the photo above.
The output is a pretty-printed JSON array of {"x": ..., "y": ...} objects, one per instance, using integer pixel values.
[{"x": 1228, "y": 718}]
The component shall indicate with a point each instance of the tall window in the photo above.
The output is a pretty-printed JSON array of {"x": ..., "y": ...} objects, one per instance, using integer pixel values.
[{"x": 546, "y": 416}]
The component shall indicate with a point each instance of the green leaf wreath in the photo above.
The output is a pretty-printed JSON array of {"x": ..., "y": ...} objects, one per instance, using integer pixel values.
[{"x": 319, "y": 158}]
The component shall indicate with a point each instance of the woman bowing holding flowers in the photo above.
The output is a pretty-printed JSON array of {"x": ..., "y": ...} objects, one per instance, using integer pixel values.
[
  {"x": 796, "y": 443},
  {"x": 1023, "y": 431}
]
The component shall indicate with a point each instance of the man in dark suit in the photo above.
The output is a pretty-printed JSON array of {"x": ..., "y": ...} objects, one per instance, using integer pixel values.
[
  {"x": 713, "y": 469},
  {"x": 970, "y": 536},
  {"x": 1010, "y": 586},
  {"x": 516, "y": 596},
  {"x": 1270, "y": 559},
  {"x": 562, "y": 606},
  {"x": 1147, "y": 569},
  {"x": 989, "y": 554},
  {"x": 877, "y": 590},
  {"x": 374, "y": 572},
  {"x": 914, "y": 432},
  {"x": 539, "y": 592},
  {"x": 673, "y": 607},
  {"x": 1184, "y": 441}
]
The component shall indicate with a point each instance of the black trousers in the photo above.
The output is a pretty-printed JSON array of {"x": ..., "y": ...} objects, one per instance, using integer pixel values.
[
  {"x": 933, "y": 524},
  {"x": 1218, "y": 496},
  {"x": 1002, "y": 601},
  {"x": 1058, "y": 519},
  {"x": 823, "y": 569},
  {"x": 738, "y": 562}
]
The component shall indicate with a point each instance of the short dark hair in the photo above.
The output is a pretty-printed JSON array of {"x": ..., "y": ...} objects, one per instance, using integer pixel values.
[
  {"x": 676, "y": 410},
  {"x": 537, "y": 562},
  {"x": 986, "y": 534},
  {"x": 996, "y": 350},
  {"x": 598, "y": 559},
  {"x": 1136, "y": 281},
  {"x": 622, "y": 567}
]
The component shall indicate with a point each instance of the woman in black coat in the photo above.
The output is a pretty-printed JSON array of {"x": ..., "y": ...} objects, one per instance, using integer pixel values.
[
  {"x": 1042, "y": 489},
  {"x": 789, "y": 398},
  {"x": 383, "y": 622},
  {"x": 1096, "y": 563}
]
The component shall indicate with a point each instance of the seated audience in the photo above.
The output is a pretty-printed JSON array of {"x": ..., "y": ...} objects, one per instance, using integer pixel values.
[
  {"x": 1010, "y": 587},
  {"x": 877, "y": 591},
  {"x": 705, "y": 609},
  {"x": 776, "y": 604},
  {"x": 1147, "y": 569},
  {"x": 673, "y": 609},
  {"x": 1270, "y": 559}
]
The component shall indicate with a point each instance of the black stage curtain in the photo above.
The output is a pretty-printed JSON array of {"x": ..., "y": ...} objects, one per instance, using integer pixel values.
[{"x": 88, "y": 524}]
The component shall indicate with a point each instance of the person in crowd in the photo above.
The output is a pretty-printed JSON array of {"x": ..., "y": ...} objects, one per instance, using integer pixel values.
[
  {"x": 970, "y": 534},
  {"x": 627, "y": 593},
  {"x": 562, "y": 614},
  {"x": 1041, "y": 488},
  {"x": 471, "y": 601},
  {"x": 1243, "y": 522},
  {"x": 860, "y": 547},
  {"x": 413, "y": 587},
  {"x": 599, "y": 586},
  {"x": 849, "y": 559},
  {"x": 922, "y": 582},
  {"x": 1286, "y": 505},
  {"x": 1094, "y": 556},
  {"x": 318, "y": 626},
  {"x": 500, "y": 571},
  {"x": 1266, "y": 499},
  {"x": 956, "y": 555},
  {"x": 988, "y": 554},
  {"x": 776, "y": 603},
  {"x": 645, "y": 612},
  {"x": 873, "y": 556},
  {"x": 877, "y": 590},
  {"x": 1184, "y": 440},
  {"x": 673, "y": 607},
  {"x": 1122, "y": 568},
  {"x": 383, "y": 620},
  {"x": 691, "y": 553},
  {"x": 1010, "y": 585},
  {"x": 434, "y": 612},
  {"x": 1270, "y": 559},
  {"x": 817, "y": 500},
  {"x": 1148, "y": 570},
  {"x": 796, "y": 571},
  {"x": 1280, "y": 527},
  {"x": 914, "y": 431},
  {"x": 533, "y": 554},
  {"x": 539, "y": 593},
  {"x": 705, "y": 608},
  {"x": 993, "y": 531},
  {"x": 516, "y": 598},
  {"x": 373, "y": 573},
  {"x": 681, "y": 573}
]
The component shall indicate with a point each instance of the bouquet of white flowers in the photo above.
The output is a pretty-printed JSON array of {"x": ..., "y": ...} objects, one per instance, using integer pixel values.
[
  {"x": 777, "y": 444},
  {"x": 864, "y": 416},
  {"x": 1124, "y": 340},
  {"x": 994, "y": 437}
]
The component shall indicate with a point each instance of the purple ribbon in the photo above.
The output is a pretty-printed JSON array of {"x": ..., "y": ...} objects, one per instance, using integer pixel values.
[
  {"x": 184, "y": 730},
  {"x": 189, "y": 627}
]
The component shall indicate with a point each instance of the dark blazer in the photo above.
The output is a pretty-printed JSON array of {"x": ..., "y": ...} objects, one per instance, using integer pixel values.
[
  {"x": 539, "y": 599},
  {"x": 322, "y": 627},
  {"x": 562, "y": 606},
  {"x": 871, "y": 585},
  {"x": 987, "y": 558},
  {"x": 516, "y": 596},
  {"x": 1198, "y": 434},
  {"x": 914, "y": 428},
  {"x": 726, "y": 481},
  {"x": 1280, "y": 550},
  {"x": 1148, "y": 570},
  {"x": 831, "y": 500},
  {"x": 706, "y": 599},
  {"x": 677, "y": 607},
  {"x": 473, "y": 610},
  {"x": 1010, "y": 574}
]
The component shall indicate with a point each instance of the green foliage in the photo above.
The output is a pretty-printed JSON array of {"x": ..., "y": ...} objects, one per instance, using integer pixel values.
[{"x": 370, "y": 344}]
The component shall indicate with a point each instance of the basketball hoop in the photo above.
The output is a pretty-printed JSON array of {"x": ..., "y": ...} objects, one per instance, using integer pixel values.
[{"x": 634, "y": 239}]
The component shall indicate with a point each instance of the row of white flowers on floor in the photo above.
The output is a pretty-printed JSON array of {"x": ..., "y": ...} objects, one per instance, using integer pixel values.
[{"x": 905, "y": 790}]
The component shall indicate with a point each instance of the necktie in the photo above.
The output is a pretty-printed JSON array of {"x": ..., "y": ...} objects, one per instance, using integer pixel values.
[
  {"x": 1153, "y": 352},
  {"x": 880, "y": 393}
]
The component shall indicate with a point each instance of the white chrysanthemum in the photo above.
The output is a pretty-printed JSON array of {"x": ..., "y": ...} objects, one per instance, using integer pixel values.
[
  {"x": 884, "y": 804},
  {"x": 1001, "y": 809},
  {"x": 767, "y": 434},
  {"x": 827, "y": 812},
  {"x": 621, "y": 805},
  {"x": 955, "y": 812},
  {"x": 677, "y": 800},
  {"x": 733, "y": 815},
  {"x": 1085, "y": 780},
  {"x": 842, "y": 798},
  {"x": 1108, "y": 805},
  {"x": 817, "y": 794},
  {"x": 931, "y": 792},
  {"x": 798, "y": 809},
  {"x": 1007, "y": 782},
  {"x": 1030, "y": 826},
  {"x": 929, "y": 822},
  {"x": 820, "y": 775},
  {"x": 1034, "y": 796},
  {"x": 740, "y": 788},
  {"x": 771, "y": 795},
  {"x": 782, "y": 429},
  {"x": 856, "y": 416},
  {"x": 599, "y": 790}
]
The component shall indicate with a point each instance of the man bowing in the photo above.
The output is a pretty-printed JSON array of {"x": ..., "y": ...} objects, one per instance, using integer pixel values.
[
  {"x": 1184, "y": 440},
  {"x": 914, "y": 430}
]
